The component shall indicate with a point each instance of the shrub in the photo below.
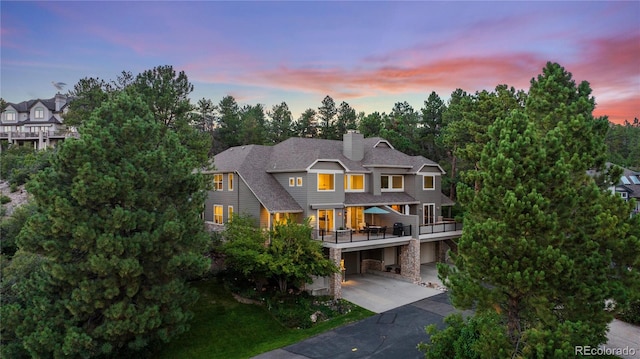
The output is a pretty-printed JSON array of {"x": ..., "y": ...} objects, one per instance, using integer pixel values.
[
  {"x": 4, "y": 199},
  {"x": 631, "y": 313}
]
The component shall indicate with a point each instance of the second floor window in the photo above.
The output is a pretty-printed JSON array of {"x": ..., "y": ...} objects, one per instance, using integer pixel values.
[
  {"x": 392, "y": 183},
  {"x": 10, "y": 116},
  {"x": 354, "y": 183},
  {"x": 39, "y": 112},
  {"x": 230, "y": 182},
  {"x": 217, "y": 182},
  {"x": 428, "y": 182},
  {"x": 326, "y": 182}
]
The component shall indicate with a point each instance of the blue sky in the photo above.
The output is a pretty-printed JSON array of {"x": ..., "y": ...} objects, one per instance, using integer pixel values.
[{"x": 369, "y": 54}]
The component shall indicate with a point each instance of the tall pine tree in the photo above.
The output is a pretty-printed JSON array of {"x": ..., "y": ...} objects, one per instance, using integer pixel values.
[
  {"x": 543, "y": 246},
  {"x": 117, "y": 225}
]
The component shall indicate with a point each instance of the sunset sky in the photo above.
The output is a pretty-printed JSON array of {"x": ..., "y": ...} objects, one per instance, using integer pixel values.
[{"x": 369, "y": 54}]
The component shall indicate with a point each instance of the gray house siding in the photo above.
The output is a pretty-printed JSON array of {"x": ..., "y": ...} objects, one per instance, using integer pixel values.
[
  {"x": 299, "y": 193},
  {"x": 336, "y": 196},
  {"x": 241, "y": 198}
]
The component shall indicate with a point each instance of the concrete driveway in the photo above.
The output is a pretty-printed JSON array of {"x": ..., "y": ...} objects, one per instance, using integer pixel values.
[{"x": 404, "y": 310}]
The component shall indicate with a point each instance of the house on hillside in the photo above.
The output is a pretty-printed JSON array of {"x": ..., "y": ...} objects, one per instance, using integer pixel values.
[
  {"x": 628, "y": 187},
  {"x": 38, "y": 123},
  {"x": 372, "y": 206}
]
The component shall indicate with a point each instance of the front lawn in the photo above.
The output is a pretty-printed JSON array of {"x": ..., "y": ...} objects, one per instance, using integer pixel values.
[{"x": 224, "y": 328}]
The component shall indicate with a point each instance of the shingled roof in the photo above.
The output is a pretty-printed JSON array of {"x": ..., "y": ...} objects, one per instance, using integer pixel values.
[{"x": 255, "y": 165}]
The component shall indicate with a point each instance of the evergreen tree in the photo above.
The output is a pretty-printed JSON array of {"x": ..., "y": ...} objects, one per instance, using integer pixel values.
[
  {"x": 229, "y": 123},
  {"x": 281, "y": 124},
  {"x": 252, "y": 125},
  {"x": 307, "y": 125},
  {"x": 400, "y": 128},
  {"x": 432, "y": 124},
  {"x": 117, "y": 225},
  {"x": 326, "y": 119},
  {"x": 372, "y": 124},
  {"x": 543, "y": 246},
  {"x": 346, "y": 119}
]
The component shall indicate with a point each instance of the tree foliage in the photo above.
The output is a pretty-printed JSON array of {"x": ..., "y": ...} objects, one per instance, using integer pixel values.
[
  {"x": 287, "y": 255},
  {"x": 543, "y": 246},
  {"x": 326, "y": 119},
  {"x": 117, "y": 226},
  {"x": 623, "y": 144}
]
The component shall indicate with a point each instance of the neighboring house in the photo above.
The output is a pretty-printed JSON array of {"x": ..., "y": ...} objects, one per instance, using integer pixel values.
[
  {"x": 37, "y": 123},
  {"x": 337, "y": 185},
  {"x": 628, "y": 187}
]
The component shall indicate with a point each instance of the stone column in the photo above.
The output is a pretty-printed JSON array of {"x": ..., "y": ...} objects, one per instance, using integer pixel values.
[
  {"x": 410, "y": 260},
  {"x": 335, "y": 280}
]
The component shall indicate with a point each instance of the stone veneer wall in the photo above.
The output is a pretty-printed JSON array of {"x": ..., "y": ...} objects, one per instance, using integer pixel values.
[
  {"x": 410, "y": 260},
  {"x": 335, "y": 280},
  {"x": 372, "y": 264}
]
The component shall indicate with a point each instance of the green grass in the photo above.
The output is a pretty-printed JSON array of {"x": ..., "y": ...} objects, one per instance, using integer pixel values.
[{"x": 224, "y": 328}]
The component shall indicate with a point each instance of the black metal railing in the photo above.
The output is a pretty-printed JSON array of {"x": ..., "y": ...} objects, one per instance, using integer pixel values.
[
  {"x": 440, "y": 227},
  {"x": 365, "y": 234}
]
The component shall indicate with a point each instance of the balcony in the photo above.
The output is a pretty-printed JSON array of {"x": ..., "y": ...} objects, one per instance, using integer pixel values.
[{"x": 36, "y": 135}]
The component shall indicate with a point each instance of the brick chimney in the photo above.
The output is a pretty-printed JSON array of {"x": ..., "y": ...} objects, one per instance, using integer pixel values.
[{"x": 353, "y": 145}]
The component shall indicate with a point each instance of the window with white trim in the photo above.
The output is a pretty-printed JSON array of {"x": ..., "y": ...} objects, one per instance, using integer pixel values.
[
  {"x": 10, "y": 116},
  {"x": 299, "y": 181},
  {"x": 230, "y": 181},
  {"x": 354, "y": 183},
  {"x": 428, "y": 182},
  {"x": 326, "y": 182},
  {"x": 217, "y": 214},
  {"x": 38, "y": 113},
  {"x": 391, "y": 183},
  {"x": 229, "y": 213},
  {"x": 292, "y": 181},
  {"x": 217, "y": 181}
]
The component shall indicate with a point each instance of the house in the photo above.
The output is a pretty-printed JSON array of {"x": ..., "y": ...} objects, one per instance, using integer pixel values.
[
  {"x": 37, "y": 123},
  {"x": 628, "y": 187},
  {"x": 372, "y": 206}
]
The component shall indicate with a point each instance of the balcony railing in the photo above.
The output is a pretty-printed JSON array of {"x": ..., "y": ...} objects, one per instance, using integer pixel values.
[
  {"x": 36, "y": 135},
  {"x": 440, "y": 227},
  {"x": 366, "y": 234}
]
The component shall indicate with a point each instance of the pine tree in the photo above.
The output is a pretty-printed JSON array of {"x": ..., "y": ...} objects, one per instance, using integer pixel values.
[
  {"x": 543, "y": 246},
  {"x": 117, "y": 225},
  {"x": 326, "y": 118}
]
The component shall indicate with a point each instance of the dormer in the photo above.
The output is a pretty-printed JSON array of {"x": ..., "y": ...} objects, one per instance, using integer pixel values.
[{"x": 10, "y": 115}]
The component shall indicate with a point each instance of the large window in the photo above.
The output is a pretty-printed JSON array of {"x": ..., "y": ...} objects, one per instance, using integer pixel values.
[
  {"x": 217, "y": 214},
  {"x": 217, "y": 182},
  {"x": 428, "y": 182},
  {"x": 39, "y": 113},
  {"x": 230, "y": 182},
  {"x": 354, "y": 183},
  {"x": 326, "y": 182},
  {"x": 10, "y": 116},
  {"x": 391, "y": 183}
]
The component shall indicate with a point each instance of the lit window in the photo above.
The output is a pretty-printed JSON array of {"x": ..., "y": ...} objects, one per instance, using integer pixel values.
[
  {"x": 326, "y": 182},
  {"x": 428, "y": 182},
  {"x": 217, "y": 182},
  {"x": 299, "y": 181},
  {"x": 354, "y": 183},
  {"x": 39, "y": 112},
  {"x": 230, "y": 182},
  {"x": 10, "y": 116},
  {"x": 292, "y": 181},
  {"x": 229, "y": 213},
  {"x": 391, "y": 183},
  {"x": 217, "y": 214}
]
